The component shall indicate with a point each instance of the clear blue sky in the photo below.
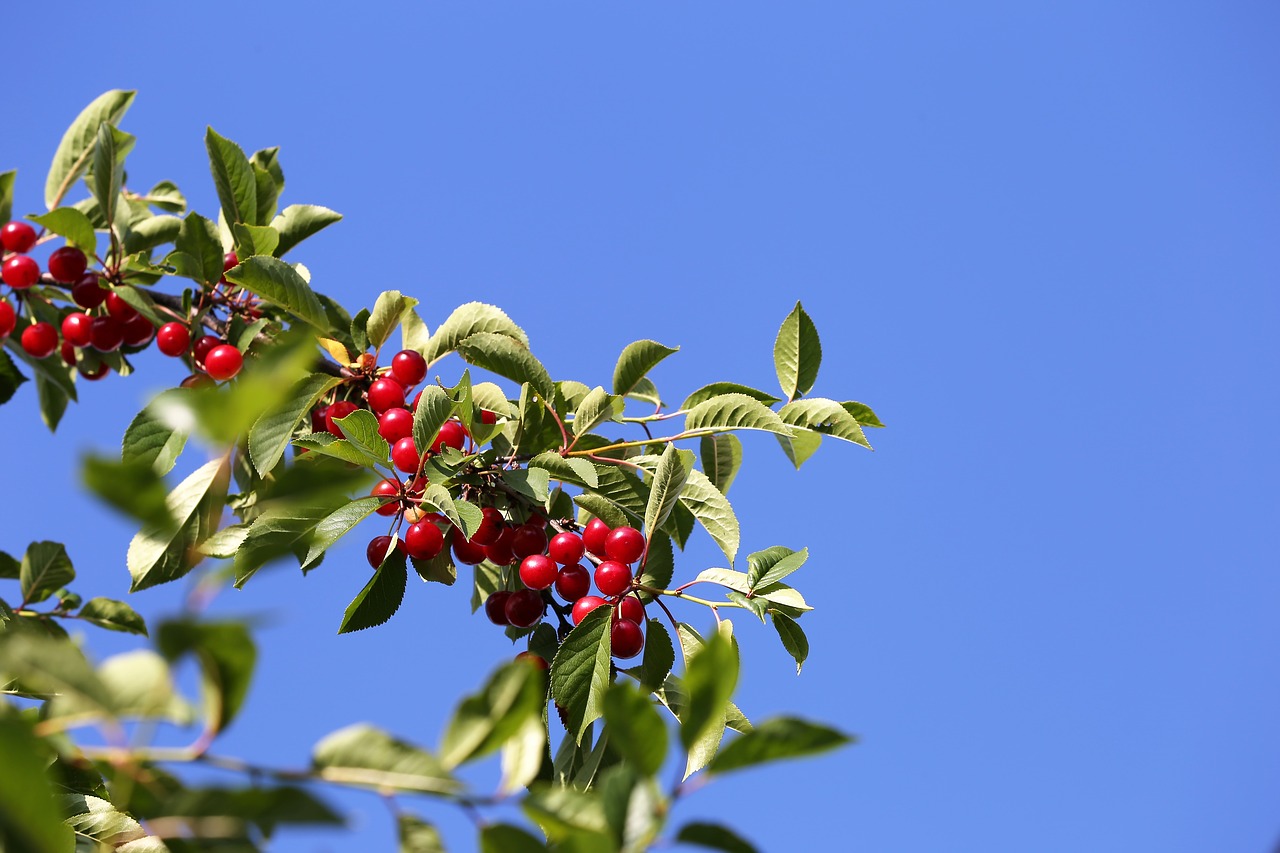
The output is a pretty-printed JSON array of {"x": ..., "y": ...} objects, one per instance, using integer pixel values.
[{"x": 1040, "y": 239}]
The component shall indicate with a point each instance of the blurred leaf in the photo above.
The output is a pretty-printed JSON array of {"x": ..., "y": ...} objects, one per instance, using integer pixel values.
[
  {"x": 486, "y": 720},
  {"x": 154, "y": 440},
  {"x": 53, "y": 378},
  {"x": 166, "y": 196},
  {"x": 272, "y": 432},
  {"x": 6, "y": 194},
  {"x": 824, "y": 416},
  {"x": 381, "y": 596},
  {"x": 134, "y": 488},
  {"x": 45, "y": 568},
  {"x": 416, "y": 835},
  {"x": 636, "y": 360},
  {"x": 793, "y": 638},
  {"x": 227, "y": 656},
  {"x": 161, "y": 554},
  {"x": 109, "y": 152},
  {"x": 30, "y": 820},
  {"x": 505, "y": 838},
  {"x": 636, "y": 730},
  {"x": 77, "y": 145},
  {"x": 140, "y": 687},
  {"x": 113, "y": 615},
  {"x": 717, "y": 389},
  {"x": 467, "y": 320},
  {"x": 48, "y": 666},
  {"x": 10, "y": 377},
  {"x": 733, "y": 411},
  {"x": 659, "y": 657},
  {"x": 234, "y": 179},
  {"x": 669, "y": 477},
  {"x": 774, "y": 740},
  {"x": 506, "y": 357},
  {"x": 281, "y": 285},
  {"x": 580, "y": 671},
  {"x": 710, "y": 678},
  {"x": 369, "y": 757},
  {"x": 523, "y": 753},
  {"x": 264, "y": 807},
  {"x": 72, "y": 224},
  {"x": 561, "y": 812},
  {"x": 9, "y": 567},
  {"x": 297, "y": 222},
  {"x": 715, "y": 837},
  {"x": 388, "y": 312},
  {"x": 797, "y": 353},
  {"x": 721, "y": 458}
]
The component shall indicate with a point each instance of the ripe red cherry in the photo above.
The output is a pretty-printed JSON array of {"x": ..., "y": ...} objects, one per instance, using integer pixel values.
[
  {"x": 537, "y": 571},
  {"x": 488, "y": 417},
  {"x": 17, "y": 237},
  {"x": 423, "y": 541},
  {"x": 173, "y": 338},
  {"x": 405, "y": 455},
  {"x": 525, "y": 608},
  {"x": 573, "y": 582},
  {"x": 93, "y": 374},
  {"x": 223, "y": 362},
  {"x": 612, "y": 577},
  {"x": 566, "y": 548},
  {"x": 68, "y": 352},
  {"x": 107, "y": 334},
  {"x": 77, "y": 329},
  {"x": 40, "y": 340},
  {"x": 630, "y": 608},
  {"x": 377, "y": 550},
  {"x": 536, "y": 661},
  {"x": 20, "y": 272},
  {"x": 87, "y": 293},
  {"x": 499, "y": 550},
  {"x": 452, "y": 434},
  {"x": 624, "y": 545},
  {"x": 490, "y": 527},
  {"x": 625, "y": 639},
  {"x": 336, "y": 412},
  {"x": 67, "y": 264},
  {"x": 528, "y": 539},
  {"x": 389, "y": 489},
  {"x": 138, "y": 331},
  {"x": 317, "y": 419},
  {"x": 408, "y": 367},
  {"x": 204, "y": 346},
  {"x": 594, "y": 535},
  {"x": 395, "y": 424},
  {"x": 585, "y": 605},
  {"x": 495, "y": 607},
  {"x": 385, "y": 394},
  {"x": 8, "y": 318},
  {"x": 229, "y": 262},
  {"x": 468, "y": 552},
  {"x": 118, "y": 308}
]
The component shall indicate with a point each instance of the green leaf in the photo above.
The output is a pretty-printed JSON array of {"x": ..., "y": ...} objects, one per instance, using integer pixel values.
[
  {"x": 226, "y": 655},
  {"x": 637, "y": 359},
  {"x": 268, "y": 194},
  {"x": 158, "y": 555},
  {"x": 264, "y": 807},
  {"x": 603, "y": 508},
  {"x": 775, "y": 740},
  {"x": 271, "y": 433},
  {"x": 567, "y": 469},
  {"x": 506, "y": 357},
  {"x": 140, "y": 685},
  {"x": 772, "y": 565},
  {"x": 297, "y": 222},
  {"x": 717, "y": 389},
  {"x": 369, "y": 757},
  {"x": 234, "y": 179},
  {"x": 77, "y": 145},
  {"x": 10, "y": 569},
  {"x": 361, "y": 429},
  {"x": 483, "y": 722},
  {"x": 505, "y": 838},
  {"x": 45, "y": 568},
  {"x": 30, "y": 820},
  {"x": 800, "y": 446},
  {"x": 325, "y": 444},
  {"x": 381, "y": 596},
  {"x": 254, "y": 239},
  {"x": 797, "y": 353},
  {"x": 596, "y": 408},
  {"x": 462, "y": 515},
  {"x": 715, "y": 837},
  {"x": 387, "y": 314},
  {"x": 635, "y": 729},
  {"x": 523, "y": 753},
  {"x": 149, "y": 233},
  {"x": 337, "y": 524},
  {"x": 48, "y": 666},
  {"x": 733, "y": 411},
  {"x": 416, "y": 835},
  {"x": 113, "y": 615},
  {"x": 53, "y": 401},
  {"x": 721, "y": 458},
  {"x": 862, "y": 413},
  {"x": 52, "y": 378},
  {"x": 580, "y": 671},
  {"x": 284, "y": 528},
  {"x": 709, "y": 506},
  {"x": 166, "y": 196},
  {"x": 135, "y": 488},
  {"x": 824, "y": 416},
  {"x": 10, "y": 377},
  {"x": 533, "y": 483},
  {"x": 280, "y": 284},
  {"x": 72, "y": 224},
  {"x": 6, "y": 194},
  {"x": 659, "y": 656},
  {"x": 153, "y": 438},
  {"x": 793, "y": 638},
  {"x": 561, "y": 812},
  {"x": 414, "y": 334},
  {"x": 710, "y": 678},
  {"x": 434, "y": 408},
  {"x": 668, "y": 480},
  {"x": 439, "y": 569},
  {"x": 109, "y": 152},
  {"x": 467, "y": 320}
]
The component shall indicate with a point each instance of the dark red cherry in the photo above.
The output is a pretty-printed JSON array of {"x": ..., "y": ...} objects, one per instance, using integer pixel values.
[
  {"x": 467, "y": 552},
  {"x": 495, "y": 607},
  {"x": 452, "y": 434},
  {"x": 423, "y": 541},
  {"x": 118, "y": 308},
  {"x": 525, "y": 608},
  {"x": 8, "y": 318},
  {"x": 138, "y": 331},
  {"x": 537, "y": 571},
  {"x": 386, "y": 489},
  {"x": 405, "y": 455},
  {"x": 625, "y": 639},
  {"x": 613, "y": 578},
  {"x": 573, "y": 582},
  {"x": 223, "y": 362},
  {"x": 490, "y": 527},
  {"x": 630, "y": 608},
  {"x": 528, "y": 539},
  {"x": 87, "y": 292},
  {"x": 377, "y": 550},
  {"x": 107, "y": 334},
  {"x": 395, "y": 424},
  {"x": 204, "y": 346},
  {"x": 67, "y": 264},
  {"x": 566, "y": 548},
  {"x": 385, "y": 394}
]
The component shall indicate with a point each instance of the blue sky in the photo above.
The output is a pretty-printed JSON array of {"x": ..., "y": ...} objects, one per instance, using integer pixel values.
[{"x": 1040, "y": 239}]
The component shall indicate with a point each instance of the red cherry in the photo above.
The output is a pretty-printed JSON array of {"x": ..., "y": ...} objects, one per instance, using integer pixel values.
[
  {"x": 378, "y": 550},
  {"x": 468, "y": 552},
  {"x": 20, "y": 272},
  {"x": 573, "y": 582},
  {"x": 118, "y": 308},
  {"x": 499, "y": 551},
  {"x": 173, "y": 338},
  {"x": 17, "y": 237},
  {"x": 625, "y": 639},
  {"x": 408, "y": 367},
  {"x": 385, "y": 394},
  {"x": 107, "y": 334},
  {"x": 525, "y": 608},
  {"x": 204, "y": 346},
  {"x": 40, "y": 340},
  {"x": 395, "y": 424},
  {"x": 594, "y": 535},
  {"x": 566, "y": 548},
  {"x": 536, "y": 661},
  {"x": 87, "y": 292},
  {"x": 77, "y": 329},
  {"x": 95, "y": 373},
  {"x": 495, "y": 607},
  {"x": 630, "y": 608},
  {"x": 423, "y": 540},
  {"x": 198, "y": 380},
  {"x": 488, "y": 417},
  {"x": 8, "y": 318},
  {"x": 624, "y": 545},
  {"x": 452, "y": 434},
  {"x": 317, "y": 419},
  {"x": 537, "y": 571},
  {"x": 138, "y": 331},
  {"x": 388, "y": 489},
  {"x": 223, "y": 362},
  {"x": 612, "y": 577},
  {"x": 229, "y": 262},
  {"x": 68, "y": 352},
  {"x": 67, "y": 264},
  {"x": 490, "y": 528},
  {"x": 528, "y": 539},
  {"x": 585, "y": 605},
  {"x": 405, "y": 455},
  {"x": 336, "y": 412}
]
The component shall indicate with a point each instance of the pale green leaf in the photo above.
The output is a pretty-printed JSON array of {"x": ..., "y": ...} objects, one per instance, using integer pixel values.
[
  {"x": 77, "y": 145},
  {"x": 669, "y": 479},
  {"x": 72, "y": 224},
  {"x": 388, "y": 312},
  {"x": 233, "y": 178},
  {"x": 721, "y": 457},
  {"x": 369, "y": 757},
  {"x": 636, "y": 360},
  {"x": 505, "y": 356},
  {"x": 160, "y": 554},
  {"x": 297, "y": 222},
  {"x": 824, "y": 416},
  {"x": 471, "y": 319},
  {"x": 775, "y": 740},
  {"x": 797, "y": 353},
  {"x": 734, "y": 411},
  {"x": 282, "y": 285}
]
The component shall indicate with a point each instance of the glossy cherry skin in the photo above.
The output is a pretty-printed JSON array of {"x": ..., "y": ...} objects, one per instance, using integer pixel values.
[
  {"x": 223, "y": 362},
  {"x": 452, "y": 434},
  {"x": 20, "y": 272},
  {"x": 204, "y": 346},
  {"x": 423, "y": 541},
  {"x": 593, "y": 536},
  {"x": 467, "y": 552},
  {"x": 613, "y": 578},
  {"x": 138, "y": 331},
  {"x": 495, "y": 607},
  {"x": 395, "y": 424},
  {"x": 490, "y": 527},
  {"x": 525, "y": 608},
  {"x": 573, "y": 582},
  {"x": 335, "y": 413},
  {"x": 630, "y": 608},
  {"x": 408, "y": 367},
  {"x": 118, "y": 308},
  {"x": 405, "y": 455},
  {"x": 173, "y": 339},
  {"x": 107, "y": 334},
  {"x": 68, "y": 352},
  {"x": 67, "y": 264},
  {"x": 87, "y": 293},
  {"x": 537, "y": 571},
  {"x": 528, "y": 539},
  {"x": 40, "y": 340},
  {"x": 385, "y": 394},
  {"x": 488, "y": 417},
  {"x": 388, "y": 489},
  {"x": 17, "y": 237},
  {"x": 377, "y": 550},
  {"x": 8, "y": 318},
  {"x": 566, "y": 548},
  {"x": 625, "y": 639},
  {"x": 625, "y": 545},
  {"x": 77, "y": 329},
  {"x": 499, "y": 550},
  {"x": 585, "y": 605}
]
